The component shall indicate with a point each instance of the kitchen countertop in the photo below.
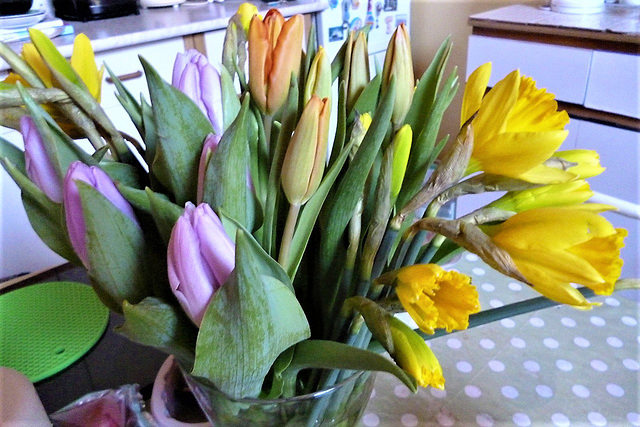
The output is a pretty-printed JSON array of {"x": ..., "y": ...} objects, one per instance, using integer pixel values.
[
  {"x": 166, "y": 22},
  {"x": 617, "y": 24}
]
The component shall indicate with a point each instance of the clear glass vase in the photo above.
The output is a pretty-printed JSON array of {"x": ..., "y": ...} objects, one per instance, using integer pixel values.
[{"x": 340, "y": 405}]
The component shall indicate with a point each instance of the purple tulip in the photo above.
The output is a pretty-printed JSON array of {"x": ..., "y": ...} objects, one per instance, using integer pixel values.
[
  {"x": 39, "y": 167},
  {"x": 209, "y": 147},
  {"x": 98, "y": 179},
  {"x": 200, "y": 81},
  {"x": 200, "y": 259}
]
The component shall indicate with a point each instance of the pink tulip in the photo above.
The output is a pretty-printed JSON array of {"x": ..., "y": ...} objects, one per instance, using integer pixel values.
[
  {"x": 200, "y": 81},
  {"x": 200, "y": 259},
  {"x": 74, "y": 215},
  {"x": 39, "y": 167}
]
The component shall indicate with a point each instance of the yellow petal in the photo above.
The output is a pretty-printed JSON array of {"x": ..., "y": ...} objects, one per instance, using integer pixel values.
[
  {"x": 496, "y": 105},
  {"x": 535, "y": 110},
  {"x": 84, "y": 63},
  {"x": 474, "y": 91},
  {"x": 33, "y": 58},
  {"x": 513, "y": 154}
]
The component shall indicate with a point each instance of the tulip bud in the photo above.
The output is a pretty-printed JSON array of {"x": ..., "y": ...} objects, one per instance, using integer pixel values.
[
  {"x": 209, "y": 147},
  {"x": 74, "y": 215},
  {"x": 398, "y": 63},
  {"x": 305, "y": 158},
  {"x": 200, "y": 81},
  {"x": 275, "y": 50},
  {"x": 401, "y": 150},
  {"x": 39, "y": 167},
  {"x": 358, "y": 70},
  {"x": 319, "y": 79},
  {"x": 200, "y": 258}
]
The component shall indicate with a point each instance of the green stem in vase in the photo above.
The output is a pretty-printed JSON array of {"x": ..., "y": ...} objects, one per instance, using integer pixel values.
[{"x": 289, "y": 228}]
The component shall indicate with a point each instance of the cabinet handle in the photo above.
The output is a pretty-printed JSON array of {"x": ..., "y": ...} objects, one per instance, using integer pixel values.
[{"x": 125, "y": 77}]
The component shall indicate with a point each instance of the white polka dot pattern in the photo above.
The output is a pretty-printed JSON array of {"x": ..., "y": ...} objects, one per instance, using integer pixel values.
[{"x": 554, "y": 367}]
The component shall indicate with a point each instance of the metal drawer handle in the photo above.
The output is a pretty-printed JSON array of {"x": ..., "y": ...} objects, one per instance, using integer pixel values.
[{"x": 125, "y": 77}]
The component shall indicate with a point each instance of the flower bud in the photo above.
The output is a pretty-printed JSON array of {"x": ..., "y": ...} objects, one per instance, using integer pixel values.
[
  {"x": 401, "y": 150},
  {"x": 567, "y": 194},
  {"x": 74, "y": 215},
  {"x": 414, "y": 355},
  {"x": 210, "y": 144},
  {"x": 39, "y": 167},
  {"x": 275, "y": 50},
  {"x": 200, "y": 258},
  {"x": 319, "y": 79},
  {"x": 360, "y": 128},
  {"x": 398, "y": 63},
  {"x": 358, "y": 71},
  {"x": 305, "y": 158},
  {"x": 587, "y": 162},
  {"x": 200, "y": 81}
]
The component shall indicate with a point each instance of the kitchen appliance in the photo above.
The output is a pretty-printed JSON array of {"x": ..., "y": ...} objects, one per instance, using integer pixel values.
[
  {"x": 89, "y": 10},
  {"x": 14, "y": 7}
]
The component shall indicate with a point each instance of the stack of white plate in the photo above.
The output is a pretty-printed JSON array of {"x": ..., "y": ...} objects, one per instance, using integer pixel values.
[{"x": 23, "y": 20}]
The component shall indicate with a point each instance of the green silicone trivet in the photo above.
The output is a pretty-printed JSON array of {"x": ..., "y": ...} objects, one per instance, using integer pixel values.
[{"x": 44, "y": 328}]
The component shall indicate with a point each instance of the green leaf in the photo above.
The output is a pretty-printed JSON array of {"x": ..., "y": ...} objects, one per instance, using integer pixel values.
[
  {"x": 46, "y": 217},
  {"x": 341, "y": 206},
  {"x": 20, "y": 66},
  {"x": 225, "y": 185},
  {"x": 181, "y": 128},
  {"x": 128, "y": 102},
  {"x": 368, "y": 98},
  {"x": 155, "y": 323},
  {"x": 116, "y": 249},
  {"x": 337, "y": 355},
  {"x": 124, "y": 173},
  {"x": 250, "y": 320},
  {"x": 150, "y": 134},
  {"x": 13, "y": 154},
  {"x": 425, "y": 93},
  {"x": 53, "y": 58},
  {"x": 164, "y": 212},
  {"x": 230, "y": 101}
]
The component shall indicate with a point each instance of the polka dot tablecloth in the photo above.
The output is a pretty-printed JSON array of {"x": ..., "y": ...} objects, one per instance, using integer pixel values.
[{"x": 558, "y": 367}]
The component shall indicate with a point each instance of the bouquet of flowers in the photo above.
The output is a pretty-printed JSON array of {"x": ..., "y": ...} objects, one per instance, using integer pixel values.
[{"x": 269, "y": 260}]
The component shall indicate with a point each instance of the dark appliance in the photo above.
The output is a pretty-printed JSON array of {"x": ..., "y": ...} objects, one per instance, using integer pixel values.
[{"x": 89, "y": 10}]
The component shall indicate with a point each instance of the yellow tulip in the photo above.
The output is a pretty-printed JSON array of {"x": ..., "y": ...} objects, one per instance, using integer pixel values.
[
  {"x": 517, "y": 127},
  {"x": 566, "y": 194},
  {"x": 398, "y": 63},
  {"x": 414, "y": 355},
  {"x": 555, "y": 247},
  {"x": 275, "y": 49},
  {"x": 82, "y": 61},
  {"x": 436, "y": 298},
  {"x": 304, "y": 161}
]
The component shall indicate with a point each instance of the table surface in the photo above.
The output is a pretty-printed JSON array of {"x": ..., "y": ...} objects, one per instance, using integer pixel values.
[{"x": 558, "y": 366}]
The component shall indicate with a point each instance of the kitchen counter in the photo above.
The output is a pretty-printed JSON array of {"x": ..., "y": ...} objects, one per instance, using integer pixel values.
[
  {"x": 617, "y": 28},
  {"x": 157, "y": 24}
]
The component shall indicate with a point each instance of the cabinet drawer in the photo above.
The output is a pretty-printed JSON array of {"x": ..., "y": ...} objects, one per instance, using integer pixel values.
[
  {"x": 125, "y": 62},
  {"x": 614, "y": 83},
  {"x": 562, "y": 70},
  {"x": 619, "y": 153}
]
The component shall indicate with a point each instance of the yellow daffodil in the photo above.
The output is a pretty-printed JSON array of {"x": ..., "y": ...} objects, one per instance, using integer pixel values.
[
  {"x": 517, "y": 127},
  {"x": 567, "y": 194},
  {"x": 414, "y": 355},
  {"x": 436, "y": 298},
  {"x": 275, "y": 49},
  {"x": 565, "y": 166},
  {"x": 555, "y": 247}
]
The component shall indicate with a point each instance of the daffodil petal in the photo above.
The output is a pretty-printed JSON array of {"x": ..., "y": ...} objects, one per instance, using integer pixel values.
[
  {"x": 535, "y": 110},
  {"x": 496, "y": 105},
  {"x": 474, "y": 91},
  {"x": 84, "y": 63},
  {"x": 33, "y": 58}
]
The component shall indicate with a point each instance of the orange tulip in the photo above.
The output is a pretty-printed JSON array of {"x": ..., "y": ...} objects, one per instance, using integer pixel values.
[{"x": 275, "y": 50}]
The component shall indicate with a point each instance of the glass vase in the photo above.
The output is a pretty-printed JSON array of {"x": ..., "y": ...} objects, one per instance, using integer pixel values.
[{"x": 340, "y": 405}]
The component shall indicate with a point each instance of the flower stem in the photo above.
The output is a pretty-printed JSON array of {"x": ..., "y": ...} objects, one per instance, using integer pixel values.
[{"x": 287, "y": 236}]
